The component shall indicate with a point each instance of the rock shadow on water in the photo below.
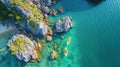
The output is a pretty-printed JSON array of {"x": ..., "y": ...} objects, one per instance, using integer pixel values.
[
  {"x": 95, "y": 2},
  {"x": 78, "y": 5}
]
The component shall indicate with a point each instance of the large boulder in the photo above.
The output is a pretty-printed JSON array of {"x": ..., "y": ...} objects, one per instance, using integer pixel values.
[
  {"x": 53, "y": 55},
  {"x": 46, "y": 2},
  {"x": 64, "y": 24},
  {"x": 40, "y": 29},
  {"x": 46, "y": 9},
  {"x": 22, "y": 47}
]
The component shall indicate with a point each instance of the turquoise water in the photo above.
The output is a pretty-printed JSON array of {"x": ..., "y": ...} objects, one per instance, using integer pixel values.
[{"x": 95, "y": 36}]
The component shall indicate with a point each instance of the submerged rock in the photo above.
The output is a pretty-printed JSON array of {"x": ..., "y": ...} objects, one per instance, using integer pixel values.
[
  {"x": 53, "y": 55},
  {"x": 64, "y": 24},
  {"x": 22, "y": 47},
  {"x": 49, "y": 38}
]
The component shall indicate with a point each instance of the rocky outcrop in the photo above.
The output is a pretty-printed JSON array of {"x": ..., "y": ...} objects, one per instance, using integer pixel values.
[
  {"x": 45, "y": 5},
  {"x": 64, "y": 24},
  {"x": 22, "y": 47},
  {"x": 46, "y": 9},
  {"x": 46, "y": 2},
  {"x": 40, "y": 29}
]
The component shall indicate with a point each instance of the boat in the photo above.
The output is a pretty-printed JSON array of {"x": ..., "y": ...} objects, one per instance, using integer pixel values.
[
  {"x": 68, "y": 40},
  {"x": 66, "y": 51}
]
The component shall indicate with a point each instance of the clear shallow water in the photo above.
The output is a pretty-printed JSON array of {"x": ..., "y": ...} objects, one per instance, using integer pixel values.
[{"x": 95, "y": 36}]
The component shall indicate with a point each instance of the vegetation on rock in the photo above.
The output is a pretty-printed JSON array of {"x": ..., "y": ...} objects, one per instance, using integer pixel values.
[
  {"x": 34, "y": 16},
  {"x": 18, "y": 45},
  {"x": 12, "y": 13}
]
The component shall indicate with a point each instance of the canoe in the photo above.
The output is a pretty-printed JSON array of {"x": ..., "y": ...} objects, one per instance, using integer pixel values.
[
  {"x": 68, "y": 40},
  {"x": 66, "y": 52}
]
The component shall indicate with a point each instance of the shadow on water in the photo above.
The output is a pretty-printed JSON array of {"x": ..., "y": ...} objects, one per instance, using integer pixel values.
[
  {"x": 95, "y": 2},
  {"x": 78, "y": 5}
]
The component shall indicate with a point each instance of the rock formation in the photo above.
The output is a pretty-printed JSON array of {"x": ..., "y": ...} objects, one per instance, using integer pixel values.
[
  {"x": 40, "y": 29},
  {"x": 64, "y": 24},
  {"x": 32, "y": 11},
  {"x": 22, "y": 47}
]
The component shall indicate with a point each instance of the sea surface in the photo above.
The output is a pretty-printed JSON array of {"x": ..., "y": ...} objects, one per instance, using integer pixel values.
[{"x": 95, "y": 36}]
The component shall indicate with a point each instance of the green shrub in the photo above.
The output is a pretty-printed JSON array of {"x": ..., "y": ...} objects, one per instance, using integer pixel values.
[{"x": 18, "y": 18}]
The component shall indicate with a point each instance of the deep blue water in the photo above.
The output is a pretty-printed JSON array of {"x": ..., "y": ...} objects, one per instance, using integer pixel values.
[{"x": 95, "y": 35}]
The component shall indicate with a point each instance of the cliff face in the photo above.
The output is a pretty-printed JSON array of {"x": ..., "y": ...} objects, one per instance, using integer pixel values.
[
  {"x": 33, "y": 13},
  {"x": 40, "y": 29}
]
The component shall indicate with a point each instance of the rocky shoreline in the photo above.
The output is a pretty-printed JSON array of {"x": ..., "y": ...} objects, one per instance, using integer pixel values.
[{"x": 36, "y": 22}]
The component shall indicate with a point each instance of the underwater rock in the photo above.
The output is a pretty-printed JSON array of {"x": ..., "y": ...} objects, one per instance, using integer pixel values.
[
  {"x": 49, "y": 38},
  {"x": 64, "y": 24},
  {"x": 38, "y": 46},
  {"x": 54, "y": 1},
  {"x": 2, "y": 49},
  {"x": 62, "y": 37},
  {"x": 53, "y": 55},
  {"x": 53, "y": 12},
  {"x": 35, "y": 56},
  {"x": 22, "y": 47}
]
